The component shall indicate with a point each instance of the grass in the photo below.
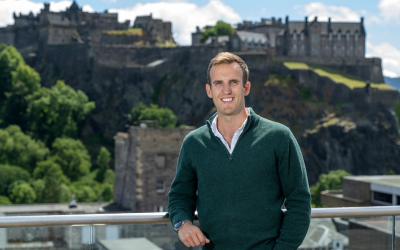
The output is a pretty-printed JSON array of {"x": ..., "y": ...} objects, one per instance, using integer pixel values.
[
  {"x": 336, "y": 75},
  {"x": 128, "y": 32}
]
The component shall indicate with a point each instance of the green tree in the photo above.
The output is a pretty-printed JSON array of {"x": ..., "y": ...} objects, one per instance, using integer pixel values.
[
  {"x": 72, "y": 156},
  {"x": 220, "y": 29},
  {"x": 10, "y": 59},
  {"x": 332, "y": 180},
  {"x": 4, "y": 200},
  {"x": 39, "y": 187},
  {"x": 10, "y": 174},
  {"x": 86, "y": 191},
  {"x": 109, "y": 177},
  {"x": 25, "y": 81},
  {"x": 22, "y": 193},
  {"x": 107, "y": 193},
  {"x": 136, "y": 112},
  {"x": 164, "y": 116},
  {"x": 19, "y": 149},
  {"x": 57, "y": 112},
  {"x": 103, "y": 159}
]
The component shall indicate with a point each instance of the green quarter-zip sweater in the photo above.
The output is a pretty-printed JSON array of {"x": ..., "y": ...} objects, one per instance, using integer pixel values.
[{"x": 240, "y": 194}]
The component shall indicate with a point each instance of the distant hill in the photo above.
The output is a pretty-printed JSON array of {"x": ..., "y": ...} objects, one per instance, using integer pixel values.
[{"x": 394, "y": 82}]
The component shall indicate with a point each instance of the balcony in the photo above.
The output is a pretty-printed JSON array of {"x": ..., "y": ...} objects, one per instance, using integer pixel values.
[{"x": 350, "y": 228}]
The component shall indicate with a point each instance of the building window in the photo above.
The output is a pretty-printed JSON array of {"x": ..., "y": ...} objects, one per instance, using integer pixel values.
[
  {"x": 294, "y": 36},
  {"x": 245, "y": 43},
  {"x": 351, "y": 47},
  {"x": 326, "y": 47},
  {"x": 334, "y": 47},
  {"x": 383, "y": 197},
  {"x": 347, "y": 36},
  {"x": 398, "y": 200},
  {"x": 294, "y": 46},
  {"x": 252, "y": 44},
  {"x": 302, "y": 36},
  {"x": 330, "y": 36},
  {"x": 259, "y": 44},
  {"x": 360, "y": 47},
  {"x": 315, "y": 38},
  {"x": 235, "y": 43},
  {"x": 302, "y": 46},
  {"x": 356, "y": 37},
  {"x": 339, "y": 36},
  {"x": 160, "y": 186},
  {"x": 266, "y": 44},
  {"x": 343, "y": 47}
]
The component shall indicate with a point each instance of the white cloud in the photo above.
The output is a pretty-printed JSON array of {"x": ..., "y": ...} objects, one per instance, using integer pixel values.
[
  {"x": 323, "y": 12},
  {"x": 7, "y": 7},
  {"x": 390, "y": 9},
  {"x": 390, "y": 57},
  {"x": 18, "y": 6},
  {"x": 87, "y": 8},
  {"x": 184, "y": 16}
]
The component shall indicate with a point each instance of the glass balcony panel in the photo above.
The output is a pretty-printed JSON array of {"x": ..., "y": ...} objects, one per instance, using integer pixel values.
[
  {"x": 369, "y": 233},
  {"x": 63, "y": 237},
  {"x": 138, "y": 236}
]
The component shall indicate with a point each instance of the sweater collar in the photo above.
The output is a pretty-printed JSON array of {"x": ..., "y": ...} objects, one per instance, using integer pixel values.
[{"x": 251, "y": 119}]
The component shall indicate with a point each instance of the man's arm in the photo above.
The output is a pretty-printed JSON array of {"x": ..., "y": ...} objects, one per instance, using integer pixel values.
[
  {"x": 293, "y": 178},
  {"x": 182, "y": 201}
]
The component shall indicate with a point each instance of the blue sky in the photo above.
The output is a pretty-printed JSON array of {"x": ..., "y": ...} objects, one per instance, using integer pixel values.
[{"x": 382, "y": 17}]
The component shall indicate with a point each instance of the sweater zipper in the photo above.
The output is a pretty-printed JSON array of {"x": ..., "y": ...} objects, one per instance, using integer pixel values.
[{"x": 240, "y": 136}]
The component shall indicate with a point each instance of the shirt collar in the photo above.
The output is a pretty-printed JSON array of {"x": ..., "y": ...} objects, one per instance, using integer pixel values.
[{"x": 215, "y": 129}]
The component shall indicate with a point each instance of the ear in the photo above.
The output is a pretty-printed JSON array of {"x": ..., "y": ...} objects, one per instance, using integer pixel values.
[
  {"x": 208, "y": 90},
  {"x": 247, "y": 88}
]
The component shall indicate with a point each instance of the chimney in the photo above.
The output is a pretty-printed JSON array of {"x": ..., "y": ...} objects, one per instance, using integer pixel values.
[
  {"x": 306, "y": 26},
  {"x": 316, "y": 19},
  {"x": 329, "y": 25},
  {"x": 47, "y": 7}
]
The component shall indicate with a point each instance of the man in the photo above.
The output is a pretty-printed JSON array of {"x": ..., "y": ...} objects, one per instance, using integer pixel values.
[{"x": 243, "y": 167}]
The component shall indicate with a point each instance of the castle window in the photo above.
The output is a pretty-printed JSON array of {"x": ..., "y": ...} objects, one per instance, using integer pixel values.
[
  {"x": 259, "y": 44},
  {"x": 160, "y": 186},
  {"x": 294, "y": 36},
  {"x": 356, "y": 37},
  {"x": 343, "y": 47},
  {"x": 302, "y": 36},
  {"x": 326, "y": 46},
  {"x": 347, "y": 36},
  {"x": 252, "y": 44},
  {"x": 360, "y": 47},
  {"x": 339, "y": 36},
  {"x": 315, "y": 38},
  {"x": 266, "y": 45},
  {"x": 334, "y": 47},
  {"x": 351, "y": 47},
  {"x": 235, "y": 43},
  {"x": 294, "y": 46},
  {"x": 302, "y": 46},
  {"x": 245, "y": 43},
  {"x": 330, "y": 36}
]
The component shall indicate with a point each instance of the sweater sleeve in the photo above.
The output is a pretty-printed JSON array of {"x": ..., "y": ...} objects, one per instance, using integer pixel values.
[
  {"x": 293, "y": 178},
  {"x": 182, "y": 197}
]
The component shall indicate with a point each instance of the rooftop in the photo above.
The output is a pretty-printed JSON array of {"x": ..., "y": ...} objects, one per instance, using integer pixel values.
[{"x": 385, "y": 180}]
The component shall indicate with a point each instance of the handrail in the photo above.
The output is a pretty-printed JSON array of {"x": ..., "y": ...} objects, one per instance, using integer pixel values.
[{"x": 150, "y": 218}]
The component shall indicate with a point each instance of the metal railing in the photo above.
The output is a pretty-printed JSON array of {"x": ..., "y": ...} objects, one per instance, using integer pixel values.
[{"x": 152, "y": 218}]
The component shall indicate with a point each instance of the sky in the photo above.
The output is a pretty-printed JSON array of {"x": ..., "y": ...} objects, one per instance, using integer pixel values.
[{"x": 381, "y": 17}]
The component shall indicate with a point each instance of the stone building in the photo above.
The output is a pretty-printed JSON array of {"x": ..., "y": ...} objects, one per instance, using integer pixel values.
[
  {"x": 155, "y": 27},
  {"x": 298, "y": 38},
  {"x": 53, "y": 28},
  {"x": 145, "y": 166}
]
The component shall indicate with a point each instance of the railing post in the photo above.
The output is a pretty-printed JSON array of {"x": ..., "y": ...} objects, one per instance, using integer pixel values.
[
  {"x": 91, "y": 237},
  {"x": 394, "y": 233}
]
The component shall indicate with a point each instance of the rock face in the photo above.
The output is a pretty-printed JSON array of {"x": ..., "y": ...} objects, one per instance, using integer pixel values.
[{"x": 337, "y": 128}]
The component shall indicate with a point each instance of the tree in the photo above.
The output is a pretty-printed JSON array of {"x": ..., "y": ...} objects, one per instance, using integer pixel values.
[
  {"x": 22, "y": 193},
  {"x": 4, "y": 200},
  {"x": 10, "y": 59},
  {"x": 103, "y": 158},
  {"x": 57, "y": 112},
  {"x": 19, "y": 149},
  {"x": 164, "y": 116},
  {"x": 88, "y": 191},
  {"x": 332, "y": 180},
  {"x": 72, "y": 157},
  {"x": 109, "y": 177},
  {"x": 10, "y": 174},
  {"x": 220, "y": 29},
  {"x": 25, "y": 81}
]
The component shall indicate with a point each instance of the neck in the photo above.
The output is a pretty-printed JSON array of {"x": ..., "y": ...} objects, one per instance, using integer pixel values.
[{"x": 227, "y": 125}]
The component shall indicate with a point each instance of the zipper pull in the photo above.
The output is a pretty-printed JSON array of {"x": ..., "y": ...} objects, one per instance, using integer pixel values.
[{"x": 230, "y": 157}]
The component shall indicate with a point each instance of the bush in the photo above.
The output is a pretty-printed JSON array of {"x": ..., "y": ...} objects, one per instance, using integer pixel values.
[
  {"x": 164, "y": 116},
  {"x": 10, "y": 174},
  {"x": 333, "y": 180},
  {"x": 4, "y": 200},
  {"x": 22, "y": 193},
  {"x": 220, "y": 29}
]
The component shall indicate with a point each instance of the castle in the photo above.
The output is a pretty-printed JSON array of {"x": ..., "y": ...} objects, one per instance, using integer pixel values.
[
  {"x": 294, "y": 38},
  {"x": 74, "y": 26}
]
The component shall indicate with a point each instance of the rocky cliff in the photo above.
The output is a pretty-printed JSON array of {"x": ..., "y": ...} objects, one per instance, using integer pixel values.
[{"x": 337, "y": 127}]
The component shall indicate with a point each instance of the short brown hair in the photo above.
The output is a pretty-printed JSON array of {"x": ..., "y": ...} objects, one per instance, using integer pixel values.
[{"x": 226, "y": 57}]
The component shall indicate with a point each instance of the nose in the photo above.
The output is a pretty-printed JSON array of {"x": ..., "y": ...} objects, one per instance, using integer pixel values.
[{"x": 226, "y": 89}]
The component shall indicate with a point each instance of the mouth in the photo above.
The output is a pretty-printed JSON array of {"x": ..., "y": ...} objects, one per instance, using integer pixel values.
[{"x": 227, "y": 100}]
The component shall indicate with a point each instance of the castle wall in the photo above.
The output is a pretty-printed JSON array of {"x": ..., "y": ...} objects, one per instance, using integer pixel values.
[
  {"x": 143, "y": 183},
  {"x": 364, "y": 68},
  {"x": 7, "y": 36}
]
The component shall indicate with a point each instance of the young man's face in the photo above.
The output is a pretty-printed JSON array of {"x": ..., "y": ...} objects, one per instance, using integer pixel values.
[{"x": 227, "y": 89}]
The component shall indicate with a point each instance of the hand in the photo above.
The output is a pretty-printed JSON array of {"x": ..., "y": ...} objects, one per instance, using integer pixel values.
[{"x": 192, "y": 236}]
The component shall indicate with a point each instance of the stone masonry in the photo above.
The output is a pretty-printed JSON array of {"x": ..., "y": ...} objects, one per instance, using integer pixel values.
[{"x": 145, "y": 166}]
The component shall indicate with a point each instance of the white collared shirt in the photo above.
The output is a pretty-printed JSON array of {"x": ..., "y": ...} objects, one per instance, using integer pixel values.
[{"x": 235, "y": 138}]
